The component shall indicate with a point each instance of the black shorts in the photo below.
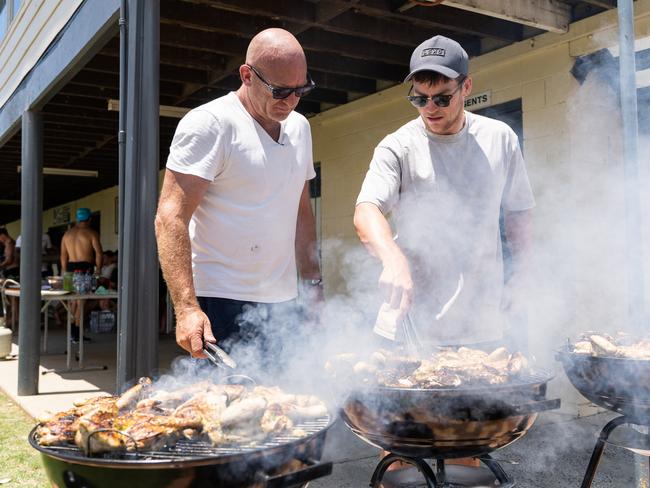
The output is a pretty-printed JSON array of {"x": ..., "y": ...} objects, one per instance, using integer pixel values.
[
  {"x": 11, "y": 273},
  {"x": 258, "y": 335},
  {"x": 82, "y": 266}
]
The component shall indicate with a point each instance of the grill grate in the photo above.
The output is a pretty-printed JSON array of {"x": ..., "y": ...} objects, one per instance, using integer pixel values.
[{"x": 186, "y": 449}]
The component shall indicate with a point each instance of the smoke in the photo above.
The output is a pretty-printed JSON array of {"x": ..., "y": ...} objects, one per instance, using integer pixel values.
[{"x": 580, "y": 280}]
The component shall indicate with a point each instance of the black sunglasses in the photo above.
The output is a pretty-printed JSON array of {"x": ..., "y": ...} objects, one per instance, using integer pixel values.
[
  {"x": 281, "y": 93},
  {"x": 420, "y": 101}
]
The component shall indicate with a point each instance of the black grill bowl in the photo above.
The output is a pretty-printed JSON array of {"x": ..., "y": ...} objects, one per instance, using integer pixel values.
[
  {"x": 446, "y": 422},
  {"x": 192, "y": 464},
  {"x": 618, "y": 384}
]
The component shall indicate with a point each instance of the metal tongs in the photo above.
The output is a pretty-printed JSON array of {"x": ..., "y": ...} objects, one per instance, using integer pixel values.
[
  {"x": 411, "y": 336},
  {"x": 218, "y": 356}
]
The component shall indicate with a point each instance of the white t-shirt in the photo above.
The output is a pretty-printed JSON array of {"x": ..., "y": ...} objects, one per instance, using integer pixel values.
[
  {"x": 46, "y": 243},
  {"x": 444, "y": 194},
  {"x": 244, "y": 229}
]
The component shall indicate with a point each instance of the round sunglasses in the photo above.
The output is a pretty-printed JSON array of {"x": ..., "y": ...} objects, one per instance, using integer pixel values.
[
  {"x": 420, "y": 101},
  {"x": 282, "y": 93}
]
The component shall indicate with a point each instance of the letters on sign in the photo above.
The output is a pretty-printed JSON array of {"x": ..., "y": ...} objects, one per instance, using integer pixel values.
[{"x": 479, "y": 100}]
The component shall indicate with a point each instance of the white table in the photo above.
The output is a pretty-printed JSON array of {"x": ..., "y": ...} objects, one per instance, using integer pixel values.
[{"x": 48, "y": 296}]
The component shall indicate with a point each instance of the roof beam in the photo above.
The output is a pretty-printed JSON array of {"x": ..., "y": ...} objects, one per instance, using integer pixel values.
[
  {"x": 443, "y": 18},
  {"x": 606, "y": 4},
  {"x": 549, "y": 15}
]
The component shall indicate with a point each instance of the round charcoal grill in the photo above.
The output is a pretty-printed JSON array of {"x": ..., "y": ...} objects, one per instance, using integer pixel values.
[
  {"x": 414, "y": 424},
  {"x": 617, "y": 384},
  {"x": 280, "y": 461},
  {"x": 612, "y": 383},
  {"x": 447, "y": 422}
]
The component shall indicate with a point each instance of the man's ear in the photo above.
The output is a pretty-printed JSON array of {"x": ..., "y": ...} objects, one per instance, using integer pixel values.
[
  {"x": 467, "y": 86},
  {"x": 245, "y": 74}
]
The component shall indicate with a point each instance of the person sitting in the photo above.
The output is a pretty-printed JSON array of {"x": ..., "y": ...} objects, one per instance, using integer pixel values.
[{"x": 9, "y": 263}]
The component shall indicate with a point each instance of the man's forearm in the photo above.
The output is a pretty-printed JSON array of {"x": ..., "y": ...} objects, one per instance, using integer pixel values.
[
  {"x": 519, "y": 234},
  {"x": 375, "y": 233},
  {"x": 175, "y": 253},
  {"x": 306, "y": 245}
]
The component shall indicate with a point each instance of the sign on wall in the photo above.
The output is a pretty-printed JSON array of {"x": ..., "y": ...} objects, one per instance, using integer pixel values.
[
  {"x": 61, "y": 215},
  {"x": 478, "y": 101}
]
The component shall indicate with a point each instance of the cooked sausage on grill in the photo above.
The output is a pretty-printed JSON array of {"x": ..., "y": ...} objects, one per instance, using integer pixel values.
[{"x": 144, "y": 418}]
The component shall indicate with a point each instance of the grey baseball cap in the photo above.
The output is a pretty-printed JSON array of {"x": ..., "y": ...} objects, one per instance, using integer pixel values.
[{"x": 439, "y": 54}]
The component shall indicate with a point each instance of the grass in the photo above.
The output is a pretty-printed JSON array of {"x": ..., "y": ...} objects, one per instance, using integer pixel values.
[{"x": 20, "y": 464}]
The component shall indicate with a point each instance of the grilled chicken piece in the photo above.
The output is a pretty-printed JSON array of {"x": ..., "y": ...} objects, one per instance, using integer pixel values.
[
  {"x": 133, "y": 394},
  {"x": 173, "y": 399},
  {"x": 244, "y": 410},
  {"x": 145, "y": 419},
  {"x": 275, "y": 420},
  {"x": 59, "y": 429},
  {"x": 517, "y": 363},
  {"x": 583, "y": 347},
  {"x": 602, "y": 346},
  {"x": 129, "y": 431},
  {"x": 207, "y": 407},
  {"x": 498, "y": 359}
]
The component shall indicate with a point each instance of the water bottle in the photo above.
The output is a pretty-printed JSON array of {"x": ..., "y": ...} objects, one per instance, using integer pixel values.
[
  {"x": 76, "y": 282},
  {"x": 87, "y": 281}
]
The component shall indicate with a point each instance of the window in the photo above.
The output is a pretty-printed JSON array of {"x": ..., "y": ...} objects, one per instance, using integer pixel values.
[
  {"x": 8, "y": 10},
  {"x": 4, "y": 17}
]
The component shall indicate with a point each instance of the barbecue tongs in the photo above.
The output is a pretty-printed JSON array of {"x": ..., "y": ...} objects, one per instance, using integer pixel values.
[{"x": 218, "y": 356}]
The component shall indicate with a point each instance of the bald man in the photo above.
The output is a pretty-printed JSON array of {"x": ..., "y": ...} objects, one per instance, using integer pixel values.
[{"x": 234, "y": 224}]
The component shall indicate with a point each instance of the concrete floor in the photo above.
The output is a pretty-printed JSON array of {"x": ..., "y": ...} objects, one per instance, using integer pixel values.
[{"x": 554, "y": 453}]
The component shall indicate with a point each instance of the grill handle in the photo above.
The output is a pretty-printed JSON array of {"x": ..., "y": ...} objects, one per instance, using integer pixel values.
[
  {"x": 534, "y": 407},
  {"x": 314, "y": 470}
]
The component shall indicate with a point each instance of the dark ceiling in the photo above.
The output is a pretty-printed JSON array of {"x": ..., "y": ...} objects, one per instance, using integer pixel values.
[{"x": 353, "y": 48}]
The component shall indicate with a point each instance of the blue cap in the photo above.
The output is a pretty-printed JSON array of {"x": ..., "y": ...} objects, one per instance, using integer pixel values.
[{"x": 83, "y": 213}]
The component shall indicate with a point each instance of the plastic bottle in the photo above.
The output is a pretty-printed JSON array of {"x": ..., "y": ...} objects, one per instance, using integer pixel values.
[{"x": 76, "y": 282}]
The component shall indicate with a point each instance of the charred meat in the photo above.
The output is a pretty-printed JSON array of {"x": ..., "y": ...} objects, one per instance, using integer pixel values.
[
  {"x": 146, "y": 418},
  {"x": 447, "y": 367},
  {"x": 603, "y": 345}
]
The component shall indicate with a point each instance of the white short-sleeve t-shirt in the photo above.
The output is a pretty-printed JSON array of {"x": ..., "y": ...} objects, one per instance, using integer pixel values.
[
  {"x": 243, "y": 231},
  {"x": 444, "y": 194}
]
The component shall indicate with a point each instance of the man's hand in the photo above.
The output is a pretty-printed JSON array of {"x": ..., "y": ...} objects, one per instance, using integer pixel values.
[
  {"x": 396, "y": 284},
  {"x": 192, "y": 330}
]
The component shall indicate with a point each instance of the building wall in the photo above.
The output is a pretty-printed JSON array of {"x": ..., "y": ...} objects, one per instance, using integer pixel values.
[
  {"x": 32, "y": 30},
  {"x": 103, "y": 202}
]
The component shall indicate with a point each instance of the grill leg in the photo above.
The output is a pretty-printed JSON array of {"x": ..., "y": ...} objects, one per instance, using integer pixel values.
[
  {"x": 598, "y": 450},
  {"x": 440, "y": 470},
  {"x": 497, "y": 471},
  {"x": 423, "y": 467}
]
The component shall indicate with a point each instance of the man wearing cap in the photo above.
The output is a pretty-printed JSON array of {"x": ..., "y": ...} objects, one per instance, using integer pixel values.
[
  {"x": 445, "y": 177},
  {"x": 81, "y": 250}
]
